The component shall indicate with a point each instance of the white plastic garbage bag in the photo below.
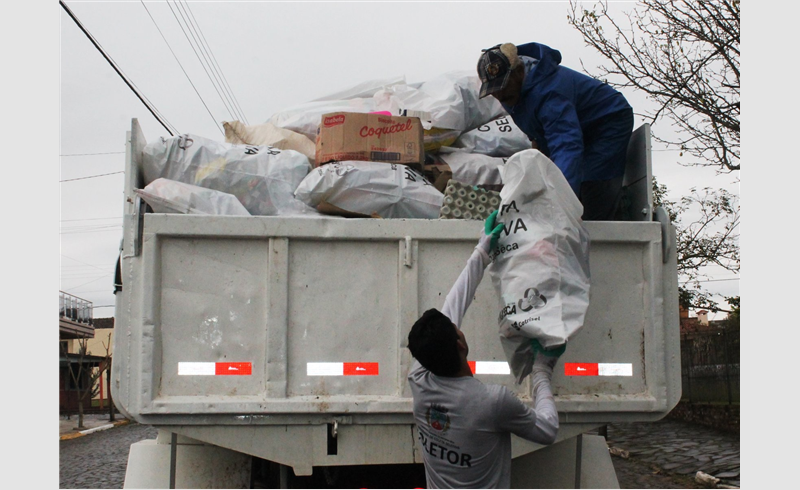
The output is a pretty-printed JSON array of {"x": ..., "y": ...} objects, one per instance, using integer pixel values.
[
  {"x": 451, "y": 100},
  {"x": 498, "y": 138},
  {"x": 263, "y": 178},
  {"x": 386, "y": 189},
  {"x": 305, "y": 118},
  {"x": 479, "y": 111},
  {"x": 541, "y": 264},
  {"x": 171, "y": 196},
  {"x": 364, "y": 89},
  {"x": 473, "y": 168}
]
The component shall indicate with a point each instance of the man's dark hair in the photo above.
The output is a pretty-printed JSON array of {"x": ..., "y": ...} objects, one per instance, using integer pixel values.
[{"x": 432, "y": 341}]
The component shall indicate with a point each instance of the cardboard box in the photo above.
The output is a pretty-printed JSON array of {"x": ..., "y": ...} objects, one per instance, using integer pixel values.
[{"x": 370, "y": 137}]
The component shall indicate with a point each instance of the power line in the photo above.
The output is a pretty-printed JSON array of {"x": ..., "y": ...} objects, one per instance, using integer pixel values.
[
  {"x": 87, "y": 154},
  {"x": 179, "y": 64},
  {"x": 90, "y": 219},
  {"x": 73, "y": 229},
  {"x": 92, "y": 176},
  {"x": 199, "y": 59},
  {"x": 115, "y": 67},
  {"x": 115, "y": 228},
  {"x": 712, "y": 280},
  {"x": 82, "y": 262},
  {"x": 84, "y": 284},
  {"x": 215, "y": 81},
  {"x": 229, "y": 91}
]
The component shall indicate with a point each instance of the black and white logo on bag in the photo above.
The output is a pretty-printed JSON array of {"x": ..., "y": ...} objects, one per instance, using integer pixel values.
[{"x": 531, "y": 300}]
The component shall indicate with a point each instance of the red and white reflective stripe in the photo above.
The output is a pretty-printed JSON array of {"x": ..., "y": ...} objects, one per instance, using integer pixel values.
[
  {"x": 597, "y": 369},
  {"x": 342, "y": 369},
  {"x": 489, "y": 367},
  {"x": 215, "y": 369}
]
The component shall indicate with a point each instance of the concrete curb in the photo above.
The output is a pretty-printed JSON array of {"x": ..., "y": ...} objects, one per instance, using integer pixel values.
[{"x": 94, "y": 429}]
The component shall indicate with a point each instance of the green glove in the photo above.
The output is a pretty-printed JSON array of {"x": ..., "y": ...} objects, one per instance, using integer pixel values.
[
  {"x": 546, "y": 357},
  {"x": 493, "y": 230}
]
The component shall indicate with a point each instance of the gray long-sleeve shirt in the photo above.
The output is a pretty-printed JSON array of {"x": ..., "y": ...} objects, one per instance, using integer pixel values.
[{"x": 464, "y": 425}]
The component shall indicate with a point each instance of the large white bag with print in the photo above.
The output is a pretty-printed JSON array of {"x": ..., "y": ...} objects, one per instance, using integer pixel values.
[
  {"x": 497, "y": 138},
  {"x": 263, "y": 178},
  {"x": 541, "y": 264},
  {"x": 367, "y": 188}
]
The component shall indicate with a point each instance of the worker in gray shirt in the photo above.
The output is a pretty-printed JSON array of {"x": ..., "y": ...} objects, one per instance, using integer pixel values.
[{"x": 465, "y": 426}]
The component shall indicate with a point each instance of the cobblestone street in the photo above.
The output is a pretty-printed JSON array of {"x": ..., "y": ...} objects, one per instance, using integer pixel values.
[
  {"x": 663, "y": 454},
  {"x": 99, "y": 459},
  {"x": 678, "y": 448}
]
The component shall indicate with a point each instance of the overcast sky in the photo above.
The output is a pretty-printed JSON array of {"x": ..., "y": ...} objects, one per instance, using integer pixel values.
[{"x": 270, "y": 56}]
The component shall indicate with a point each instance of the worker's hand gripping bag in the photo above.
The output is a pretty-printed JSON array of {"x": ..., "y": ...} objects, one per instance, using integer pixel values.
[
  {"x": 540, "y": 266},
  {"x": 263, "y": 178}
]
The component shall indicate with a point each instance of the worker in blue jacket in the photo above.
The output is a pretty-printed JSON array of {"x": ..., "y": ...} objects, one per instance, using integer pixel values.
[{"x": 582, "y": 124}]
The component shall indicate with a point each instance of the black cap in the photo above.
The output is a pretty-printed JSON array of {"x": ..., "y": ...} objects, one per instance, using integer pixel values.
[{"x": 494, "y": 70}]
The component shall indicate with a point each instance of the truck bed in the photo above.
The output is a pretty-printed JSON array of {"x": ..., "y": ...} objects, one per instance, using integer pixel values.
[{"x": 266, "y": 323}]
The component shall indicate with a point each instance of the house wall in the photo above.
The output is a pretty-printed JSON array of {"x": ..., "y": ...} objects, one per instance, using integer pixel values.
[
  {"x": 96, "y": 347},
  {"x": 103, "y": 337},
  {"x": 67, "y": 398}
]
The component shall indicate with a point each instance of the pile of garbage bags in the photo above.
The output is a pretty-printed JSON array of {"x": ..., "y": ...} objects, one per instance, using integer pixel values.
[
  {"x": 540, "y": 266},
  {"x": 270, "y": 168}
]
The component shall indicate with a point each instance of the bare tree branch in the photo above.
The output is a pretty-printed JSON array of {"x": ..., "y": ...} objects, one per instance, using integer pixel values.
[{"x": 684, "y": 54}]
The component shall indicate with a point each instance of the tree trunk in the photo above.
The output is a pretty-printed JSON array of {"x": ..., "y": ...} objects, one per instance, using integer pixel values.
[{"x": 80, "y": 412}]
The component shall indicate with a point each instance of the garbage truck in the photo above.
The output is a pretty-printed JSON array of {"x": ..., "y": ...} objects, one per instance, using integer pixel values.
[{"x": 270, "y": 351}]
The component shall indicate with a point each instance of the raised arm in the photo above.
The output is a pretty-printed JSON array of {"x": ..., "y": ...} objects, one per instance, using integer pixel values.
[
  {"x": 463, "y": 290},
  {"x": 540, "y": 423}
]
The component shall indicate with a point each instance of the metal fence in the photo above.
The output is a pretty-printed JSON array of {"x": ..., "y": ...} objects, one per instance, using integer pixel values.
[
  {"x": 75, "y": 308},
  {"x": 710, "y": 366}
]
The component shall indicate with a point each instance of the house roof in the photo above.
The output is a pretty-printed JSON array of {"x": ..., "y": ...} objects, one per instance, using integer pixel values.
[
  {"x": 87, "y": 359},
  {"x": 103, "y": 322}
]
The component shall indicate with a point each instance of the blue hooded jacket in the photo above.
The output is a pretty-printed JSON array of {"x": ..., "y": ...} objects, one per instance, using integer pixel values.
[{"x": 557, "y": 106}]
